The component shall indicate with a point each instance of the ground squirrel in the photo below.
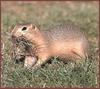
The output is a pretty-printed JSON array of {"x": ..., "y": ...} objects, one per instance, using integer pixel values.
[{"x": 66, "y": 41}]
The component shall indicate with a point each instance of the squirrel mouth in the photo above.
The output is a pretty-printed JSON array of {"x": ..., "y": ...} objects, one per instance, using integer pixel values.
[{"x": 16, "y": 40}]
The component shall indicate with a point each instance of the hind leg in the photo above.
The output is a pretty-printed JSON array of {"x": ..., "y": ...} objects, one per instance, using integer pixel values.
[{"x": 76, "y": 57}]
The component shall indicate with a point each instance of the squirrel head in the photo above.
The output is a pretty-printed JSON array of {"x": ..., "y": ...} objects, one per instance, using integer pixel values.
[{"x": 24, "y": 30}]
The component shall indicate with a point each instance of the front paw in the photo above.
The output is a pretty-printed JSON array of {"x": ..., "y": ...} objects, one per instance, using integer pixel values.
[
  {"x": 38, "y": 64},
  {"x": 29, "y": 61},
  {"x": 35, "y": 67}
]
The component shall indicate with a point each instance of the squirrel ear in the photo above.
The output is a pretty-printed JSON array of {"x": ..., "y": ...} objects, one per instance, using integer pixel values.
[{"x": 32, "y": 26}]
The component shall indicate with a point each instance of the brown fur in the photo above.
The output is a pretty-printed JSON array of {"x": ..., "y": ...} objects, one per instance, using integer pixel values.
[{"x": 61, "y": 40}]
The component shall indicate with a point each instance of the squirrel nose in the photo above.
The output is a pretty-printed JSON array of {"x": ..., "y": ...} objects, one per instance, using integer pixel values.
[{"x": 13, "y": 36}]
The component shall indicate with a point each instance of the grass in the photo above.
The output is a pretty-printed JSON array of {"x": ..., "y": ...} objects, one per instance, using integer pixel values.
[{"x": 56, "y": 73}]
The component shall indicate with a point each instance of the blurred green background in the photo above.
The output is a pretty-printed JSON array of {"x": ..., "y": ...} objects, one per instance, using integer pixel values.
[{"x": 45, "y": 14}]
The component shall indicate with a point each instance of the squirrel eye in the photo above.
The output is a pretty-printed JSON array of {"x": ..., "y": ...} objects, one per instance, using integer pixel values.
[{"x": 24, "y": 28}]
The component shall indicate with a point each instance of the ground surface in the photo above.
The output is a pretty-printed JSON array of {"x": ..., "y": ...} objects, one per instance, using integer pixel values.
[{"x": 56, "y": 74}]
